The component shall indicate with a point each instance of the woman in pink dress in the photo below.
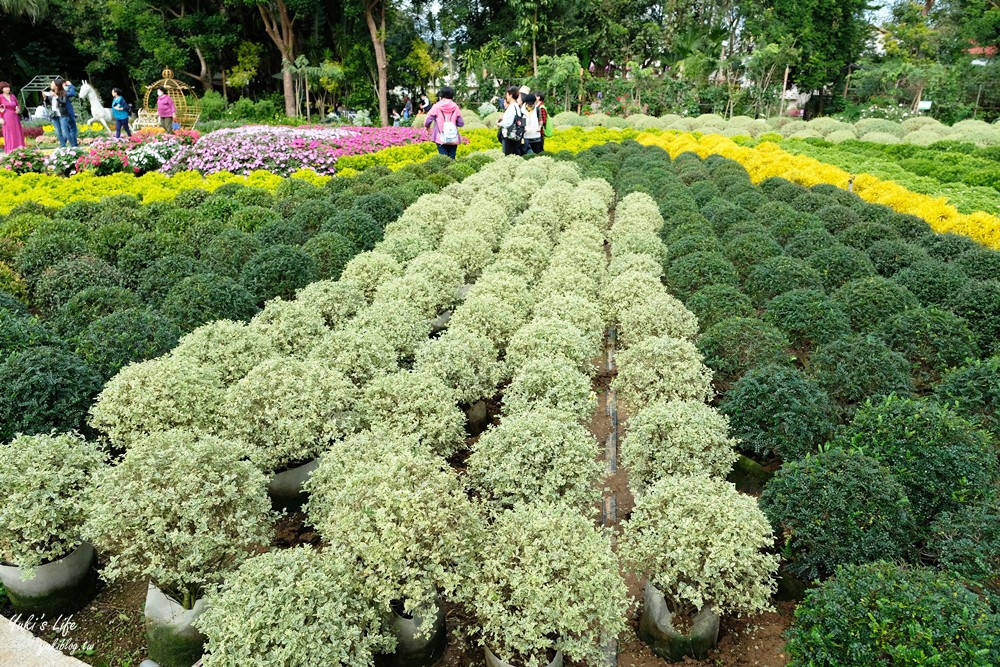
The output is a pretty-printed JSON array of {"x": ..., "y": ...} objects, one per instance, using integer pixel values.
[{"x": 10, "y": 110}]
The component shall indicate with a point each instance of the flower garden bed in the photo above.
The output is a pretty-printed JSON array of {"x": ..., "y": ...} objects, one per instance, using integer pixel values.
[{"x": 732, "y": 303}]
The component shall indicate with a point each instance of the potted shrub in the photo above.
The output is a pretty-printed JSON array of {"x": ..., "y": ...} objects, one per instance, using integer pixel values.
[
  {"x": 553, "y": 383},
  {"x": 538, "y": 456},
  {"x": 700, "y": 543},
  {"x": 547, "y": 585},
  {"x": 400, "y": 519},
  {"x": 305, "y": 608},
  {"x": 182, "y": 510},
  {"x": 662, "y": 368},
  {"x": 47, "y": 569}
]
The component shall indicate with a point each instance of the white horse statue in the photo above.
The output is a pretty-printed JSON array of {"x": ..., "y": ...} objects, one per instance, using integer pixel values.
[{"x": 98, "y": 112}]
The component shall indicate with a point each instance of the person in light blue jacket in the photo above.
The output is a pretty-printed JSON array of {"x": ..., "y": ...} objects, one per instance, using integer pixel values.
[{"x": 119, "y": 110}]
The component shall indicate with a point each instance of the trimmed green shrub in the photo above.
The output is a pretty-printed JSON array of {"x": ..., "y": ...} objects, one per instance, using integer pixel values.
[
  {"x": 737, "y": 344},
  {"x": 780, "y": 274},
  {"x": 723, "y": 215},
  {"x": 808, "y": 317},
  {"x": 881, "y": 614},
  {"x": 839, "y": 507},
  {"x": 141, "y": 251},
  {"x": 973, "y": 391},
  {"x": 870, "y": 302},
  {"x": 332, "y": 252},
  {"x": 108, "y": 240},
  {"x": 125, "y": 336},
  {"x": 12, "y": 305},
  {"x": 47, "y": 247},
  {"x": 22, "y": 332},
  {"x": 838, "y": 264},
  {"x": 932, "y": 340},
  {"x": 700, "y": 269},
  {"x": 893, "y": 255},
  {"x": 941, "y": 460},
  {"x": 863, "y": 234},
  {"x": 748, "y": 250},
  {"x": 382, "y": 208},
  {"x": 278, "y": 271},
  {"x": 979, "y": 303},
  {"x": 980, "y": 264},
  {"x": 777, "y": 410},
  {"x": 205, "y": 297},
  {"x": 854, "y": 368},
  {"x": 714, "y": 303},
  {"x": 909, "y": 227},
  {"x": 60, "y": 282},
  {"x": 44, "y": 388},
  {"x": 932, "y": 281},
  {"x": 967, "y": 542},
  {"x": 358, "y": 227},
  {"x": 282, "y": 232},
  {"x": 161, "y": 276},
  {"x": 948, "y": 247},
  {"x": 229, "y": 251},
  {"x": 252, "y": 218},
  {"x": 808, "y": 241}
]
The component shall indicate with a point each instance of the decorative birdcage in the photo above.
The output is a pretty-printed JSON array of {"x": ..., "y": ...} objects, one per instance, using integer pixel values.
[{"x": 186, "y": 103}]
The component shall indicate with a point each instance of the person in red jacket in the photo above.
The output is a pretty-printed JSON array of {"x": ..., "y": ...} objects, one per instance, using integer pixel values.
[{"x": 166, "y": 109}]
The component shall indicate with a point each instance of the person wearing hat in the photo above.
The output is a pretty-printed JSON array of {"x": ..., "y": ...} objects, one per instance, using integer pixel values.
[{"x": 10, "y": 113}]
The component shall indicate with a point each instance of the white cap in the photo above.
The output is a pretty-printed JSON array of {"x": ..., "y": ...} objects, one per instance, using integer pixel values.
[{"x": 524, "y": 90}]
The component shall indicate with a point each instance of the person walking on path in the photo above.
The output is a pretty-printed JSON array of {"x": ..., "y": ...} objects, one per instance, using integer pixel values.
[
  {"x": 119, "y": 109},
  {"x": 444, "y": 119},
  {"x": 166, "y": 109},
  {"x": 58, "y": 106},
  {"x": 10, "y": 113},
  {"x": 512, "y": 123}
]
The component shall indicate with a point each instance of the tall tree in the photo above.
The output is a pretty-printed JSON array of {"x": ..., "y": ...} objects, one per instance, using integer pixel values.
[
  {"x": 375, "y": 20},
  {"x": 33, "y": 9}
]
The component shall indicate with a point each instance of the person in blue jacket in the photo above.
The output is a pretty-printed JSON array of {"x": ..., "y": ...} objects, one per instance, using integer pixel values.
[{"x": 119, "y": 110}]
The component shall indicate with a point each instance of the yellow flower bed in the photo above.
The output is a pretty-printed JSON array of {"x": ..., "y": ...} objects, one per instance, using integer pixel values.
[
  {"x": 56, "y": 191},
  {"x": 769, "y": 159}
]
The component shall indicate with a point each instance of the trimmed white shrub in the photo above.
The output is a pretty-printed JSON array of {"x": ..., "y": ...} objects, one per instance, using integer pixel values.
[
  {"x": 662, "y": 369},
  {"x": 360, "y": 354},
  {"x": 415, "y": 290},
  {"x": 550, "y": 383},
  {"x": 623, "y": 290},
  {"x": 336, "y": 301},
  {"x": 839, "y": 136},
  {"x": 881, "y": 138},
  {"x": 702, "y": 542},
  {"x": 582, "y": 313},
  {"x": 676, "y": 438},
  {"x": 369, "y": 270},
  {"x": 289, "y": 411},
  {"x": 541, "y": 456},
  {"x": 416, "y": 403},
  {"x": 634, "y": 261},
  {"x": 463, "y": 360},
  {"x": 293, "y": 327},
  {"x": 657, "y": 315},
  {"x": 545, "y": 338},
  {"x": 443, "y": 273},
  {"x": 401, "y": 323},
  {"x": 229, "y": 348}
]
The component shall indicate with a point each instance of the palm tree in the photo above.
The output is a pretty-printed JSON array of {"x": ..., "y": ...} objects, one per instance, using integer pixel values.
[{"x": 33, "y": 9}]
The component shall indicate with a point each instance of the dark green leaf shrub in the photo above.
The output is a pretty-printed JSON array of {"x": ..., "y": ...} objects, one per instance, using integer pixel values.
[
  {"x": 863, "y": 234},
  {"x": 909, "y": 227},
  {"x": 776, "y": 410},
  {"x": 807, "y": 317},
  {"x": 931, "y": 339},
  {"x": 248, "y": 196},
  {"x": 700, "y": 269},
  {"x": 691, "y": 228},
  {"x": 205, "y": 297},
  {"x": 854, "y": 368},
  {"x": 689, "y": 244},
  {"x": 948, "y": 247},
  {"x": 382, "y": 208},
  {"x": 723, "y": 215},
  {"x": 125, "y": 336},
  {"x": 790, "y": 224},
  {"x": 310, "y": 215},
  {"x": 980, "y": 264},
  {"x": 810, "y": 202},
  {"x": 682, "y": 218},
  {"x": 882, "y": 614},
  {"x": 808, "y": 241},
  {"x": 967, "y": 542},
  {"x": 108, "y": 241},
  {"x": 702, "y": 189},
  {"x": 750, "y": 200},
  {"x": 942, "y": 460},
  {"x": 359, "y": 228},
  {"x": 769, "y": 185},
  {"x": 164, "y": 273},
  {"x": 81, "y": 210},
  {"x": 251, "y": 218},
  {"x": 714, "y": 303},
  {"x": 892, "y": 255},
  {"x": 44, "y": 388},
  {"x": 973, "y": 391},
  {"x": 196, "y": 236},
  {"x": 332, "y": 252},
  {"x": 190, "y": 199},
  {"x": 31, "y": 207},
  {"x": 874, "y": 212},
  {"x": 90, "y": 304},
  {"x": 788, "y": 192},
  {"x": 838, "y": 507},
  {"x": 45, "y": 248},
  {"x": 297, "y": 188},
  {"x": 979, "y": 303},
  {"x": 282, "y": 232},
  {"x": 869, "y": 302},
  {"x": 22, "y": 332},
  {"x": 11, "y": 305},
  {"x": 737, "y": 344},
  {"x": 141, "y": 251},
  {"x": 278, "y": 271},
  {"x": 837, "y": 195},
  {"x": 932, "y": 281},
  {"x": 749, "y": 227},
  {"x": 175, "y": 222},
  {"x": 780, "y": 274},
  {"x": 838, "y": 264},
  {"x": 59, "y": 283},
  {"x": 218, "y": 208},
  {"x": 748, "y": 250},
  {"x": 227, "y": 253},
  {"x": 838, "y": 218}
]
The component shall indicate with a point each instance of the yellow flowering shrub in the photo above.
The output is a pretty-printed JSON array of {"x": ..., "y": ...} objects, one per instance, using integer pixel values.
[{"x": 769, "y": 159}]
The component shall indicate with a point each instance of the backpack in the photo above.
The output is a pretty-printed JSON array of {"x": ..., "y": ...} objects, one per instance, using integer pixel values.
[
  {"x": 547, "y": 131},
  {"x": 449, "y": 132},
  {"x": 516, "y": 130}
]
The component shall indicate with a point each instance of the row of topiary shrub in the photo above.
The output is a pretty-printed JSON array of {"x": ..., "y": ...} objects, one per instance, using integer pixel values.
[
  {"x": 885, "y": 309},
  {"x": 113, "y": 282}
]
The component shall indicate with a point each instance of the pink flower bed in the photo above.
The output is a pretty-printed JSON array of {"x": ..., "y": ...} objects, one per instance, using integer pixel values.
[{"x": 284, "y": 150}]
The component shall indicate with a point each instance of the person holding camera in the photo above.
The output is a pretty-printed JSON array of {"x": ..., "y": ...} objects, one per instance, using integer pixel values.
[{"x": 61, "y": 112}]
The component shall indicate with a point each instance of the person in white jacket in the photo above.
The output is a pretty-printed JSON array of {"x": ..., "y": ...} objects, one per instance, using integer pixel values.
[
  {"x": 512, "y": 116},
  {"x": 532, "y": 125}
]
